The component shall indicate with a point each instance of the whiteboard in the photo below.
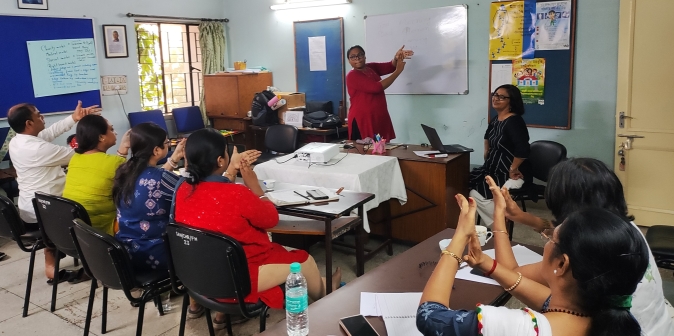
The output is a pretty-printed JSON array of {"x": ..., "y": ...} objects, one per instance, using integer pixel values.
[{"x": 439, "y": 39}]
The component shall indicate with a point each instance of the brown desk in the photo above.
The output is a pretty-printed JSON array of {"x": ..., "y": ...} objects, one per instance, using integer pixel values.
[
  {"x": 431, "y": 185},
  {"x": 258, "y": 133},
  {"x": 407, "y": 272}
]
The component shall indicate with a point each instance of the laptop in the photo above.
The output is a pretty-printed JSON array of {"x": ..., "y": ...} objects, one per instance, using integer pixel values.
[{"x": 436, "y": 143}]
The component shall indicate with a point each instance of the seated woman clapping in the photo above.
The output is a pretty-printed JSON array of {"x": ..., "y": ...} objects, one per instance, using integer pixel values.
[
  {"x": 592, "y": 262},
  {"x": 572, "y": 185},
  {"x": 91, "y": 170},
  {"x": 209, "y": 200}
]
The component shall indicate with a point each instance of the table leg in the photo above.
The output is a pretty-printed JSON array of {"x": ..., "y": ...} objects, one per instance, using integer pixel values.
[
  {"x": 388, "y": 228},
  {"x": 328, "y": 256},
  {"x": 360, "y": 248}
]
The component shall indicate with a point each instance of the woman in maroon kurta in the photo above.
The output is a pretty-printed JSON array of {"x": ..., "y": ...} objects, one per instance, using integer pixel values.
[
  {"x": 209, "y": 200},
  {"x": 368, "y": 114}
]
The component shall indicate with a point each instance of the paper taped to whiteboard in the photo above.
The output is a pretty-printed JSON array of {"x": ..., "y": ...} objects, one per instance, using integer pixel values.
[{"x": 63, "y": 66}]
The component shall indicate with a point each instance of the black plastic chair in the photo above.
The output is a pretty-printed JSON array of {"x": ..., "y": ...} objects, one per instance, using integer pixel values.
[
  {"x": 660, "y": 239},
  {"x": 11, "y": 226},
  {"x": 281, "y": 139},
  {"x": 55, "y": 217},
  {"x": 544, "y": 155},
  {"x": 211, "y": 265},
  {"x": 107, "y": 261}
]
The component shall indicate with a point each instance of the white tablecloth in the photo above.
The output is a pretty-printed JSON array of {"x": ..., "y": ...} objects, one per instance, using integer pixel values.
[{"x": 379, "y": 175}]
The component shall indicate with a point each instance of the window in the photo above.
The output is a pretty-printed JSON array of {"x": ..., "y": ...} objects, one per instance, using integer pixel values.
[{"x": 169, "y": 65}]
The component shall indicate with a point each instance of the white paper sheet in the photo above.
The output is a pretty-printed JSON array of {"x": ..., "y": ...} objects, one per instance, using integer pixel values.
[
  {"x": 501, "y": 74},
  {"x": 317, "y": 58},
  {"x": 368, "y": 304},
  {"x": 523, "y": 255}
]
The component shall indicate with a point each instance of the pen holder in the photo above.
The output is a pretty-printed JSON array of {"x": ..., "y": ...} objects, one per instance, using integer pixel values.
[{"x": 379, "y": 147}]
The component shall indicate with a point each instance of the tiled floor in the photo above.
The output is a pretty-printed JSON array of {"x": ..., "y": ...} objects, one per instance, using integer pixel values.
[{"x": 68, "y": 319}]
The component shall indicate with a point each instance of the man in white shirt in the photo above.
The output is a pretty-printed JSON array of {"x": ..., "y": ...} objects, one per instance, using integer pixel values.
[{"x": 38, "y": 162}]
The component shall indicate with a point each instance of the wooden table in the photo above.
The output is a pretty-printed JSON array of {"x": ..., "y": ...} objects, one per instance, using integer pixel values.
[
  {"x": 407, "y": 272},
  {"x": 431, "y": 185},
  {"x": 258, "y": 133},
  {"x": 330, "y": 213}
]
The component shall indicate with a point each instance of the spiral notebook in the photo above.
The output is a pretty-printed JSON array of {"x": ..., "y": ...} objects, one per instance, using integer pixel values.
[{"x": 399, "y": 311}]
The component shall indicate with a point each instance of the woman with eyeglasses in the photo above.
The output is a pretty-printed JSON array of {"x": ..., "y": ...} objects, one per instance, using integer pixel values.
[
  {"x": 506, "y": 148},
  {"x": 143, "y": 193},
  {"x": 572, "y": 185},
  {"x": 368, "y": 114},
  {"x": 592, "y": 264}
]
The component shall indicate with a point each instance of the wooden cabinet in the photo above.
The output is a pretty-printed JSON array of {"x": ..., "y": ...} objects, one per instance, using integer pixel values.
[{"x": 231, "y": 94}]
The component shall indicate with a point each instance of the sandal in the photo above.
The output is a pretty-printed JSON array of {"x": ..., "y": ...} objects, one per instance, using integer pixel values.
[
  {"x": 195, "y": 314},
  {"x": 78, "y": 276},
  {"x": 63, "y": 276}
]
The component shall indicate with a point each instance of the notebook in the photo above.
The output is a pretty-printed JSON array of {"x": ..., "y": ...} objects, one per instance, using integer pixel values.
[
  {"x": 298, "y": 197},
  {"x": 399, "y": 311}
]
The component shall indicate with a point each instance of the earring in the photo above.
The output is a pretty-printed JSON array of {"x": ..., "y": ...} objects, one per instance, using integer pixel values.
[
  {"x": 220, "y": 166},
  {"x": 555, "y": 271}
]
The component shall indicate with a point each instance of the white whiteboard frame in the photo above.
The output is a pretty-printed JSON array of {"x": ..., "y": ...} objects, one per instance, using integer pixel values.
[{"x": 465, "y": 6}]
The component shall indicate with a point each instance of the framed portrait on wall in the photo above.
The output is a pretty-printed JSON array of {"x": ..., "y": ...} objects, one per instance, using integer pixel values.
[
  {"x": 32, "y": 4},
  {"x": 114, "y": 38}
]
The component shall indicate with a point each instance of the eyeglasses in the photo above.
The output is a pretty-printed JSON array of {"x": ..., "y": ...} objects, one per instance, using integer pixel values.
[
  {"x": 357, "y": 56},
  {"x": 499, "y": 97},
  {"x": 167, "y": 142},
  {"x": 547, "y": 235}
]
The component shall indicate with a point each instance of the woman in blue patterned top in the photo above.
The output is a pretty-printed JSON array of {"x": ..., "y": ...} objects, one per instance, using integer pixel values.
[
  {"x": 592, "y": 263},
  {"x": 143, "y": 194}
]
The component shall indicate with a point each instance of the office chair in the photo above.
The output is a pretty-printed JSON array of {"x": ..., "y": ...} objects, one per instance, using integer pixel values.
[
  {"x": 187, "y": 120},
  {"x": 219, "y": 275}
]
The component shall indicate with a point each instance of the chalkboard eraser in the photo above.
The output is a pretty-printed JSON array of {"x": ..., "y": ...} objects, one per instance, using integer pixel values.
[{"x": 465, "y": 92}]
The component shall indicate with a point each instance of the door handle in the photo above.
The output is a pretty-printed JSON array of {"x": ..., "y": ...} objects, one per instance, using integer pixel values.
[
  {"x": 621, "y": 122},
  {"x": 630, "y": 136}
]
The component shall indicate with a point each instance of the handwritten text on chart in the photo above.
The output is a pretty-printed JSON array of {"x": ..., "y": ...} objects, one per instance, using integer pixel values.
[{"x": 63, "y": 66}]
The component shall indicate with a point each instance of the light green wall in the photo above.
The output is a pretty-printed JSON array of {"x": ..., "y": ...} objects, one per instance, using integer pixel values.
[{"x": 265, "y": 37}]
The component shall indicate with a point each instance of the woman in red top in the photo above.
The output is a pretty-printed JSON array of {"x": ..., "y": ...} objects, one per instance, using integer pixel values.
[
  {"x": 209, "y": 200},
  {"x": 368, "y": 114}
]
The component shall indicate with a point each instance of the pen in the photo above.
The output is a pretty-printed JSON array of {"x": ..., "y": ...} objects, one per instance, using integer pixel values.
[
  {"x": 301, "y": 195},
  {"x": 339, "y": 191}
]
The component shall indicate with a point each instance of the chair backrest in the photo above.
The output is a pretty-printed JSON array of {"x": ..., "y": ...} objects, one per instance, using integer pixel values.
[
  {"x": 11, "y": 225},
  {"x": 103, "y": 257},
  {"x": 281, "y": 138},
  {"x": 188, "y": 119},
  {"x": 544, "y": 155},
  {"x": 210, "y": 264},
  {"x": 55, "y": 217},
  {"x": 155, "y": 116}
]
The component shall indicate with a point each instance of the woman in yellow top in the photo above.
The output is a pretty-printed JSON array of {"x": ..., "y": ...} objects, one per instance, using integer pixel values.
[{"x": 91, "y": 171}]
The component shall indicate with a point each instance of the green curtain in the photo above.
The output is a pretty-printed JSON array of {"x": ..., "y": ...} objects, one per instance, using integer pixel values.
[{"x": 212, "y": 42}]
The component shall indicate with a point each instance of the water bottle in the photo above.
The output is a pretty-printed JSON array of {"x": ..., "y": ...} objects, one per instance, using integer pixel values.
[{"x": 297, "y": 302}]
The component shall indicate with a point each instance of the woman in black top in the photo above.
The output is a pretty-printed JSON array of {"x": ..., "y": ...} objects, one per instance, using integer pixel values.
[{"x": 506, "y": 148}]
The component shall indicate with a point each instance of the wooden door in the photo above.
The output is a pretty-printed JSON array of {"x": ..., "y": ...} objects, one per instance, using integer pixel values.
[{"x": 645, "y": 89}]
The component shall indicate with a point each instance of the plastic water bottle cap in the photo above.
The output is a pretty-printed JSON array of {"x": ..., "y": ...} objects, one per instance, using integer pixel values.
[{"x": 295, "y": 267}]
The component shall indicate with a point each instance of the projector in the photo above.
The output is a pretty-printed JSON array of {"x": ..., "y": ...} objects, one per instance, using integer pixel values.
[{"x": 317, "y": 152}]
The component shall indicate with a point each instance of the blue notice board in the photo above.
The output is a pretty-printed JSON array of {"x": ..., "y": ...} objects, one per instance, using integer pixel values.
[
  {"x": 321, "y": 85},
  {"x": 555, "y": 113},
  {"x": 17, "y": 84}
]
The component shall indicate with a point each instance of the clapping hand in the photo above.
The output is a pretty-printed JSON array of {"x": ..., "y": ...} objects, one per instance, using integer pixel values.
[
  {"x": 80, "y": 111},
  {"x": 475, "y": 257},
  {"x": 126, "y": 142},
  {"x": 402, "y": 54},
  {"x": 466, "y": 224},
  {"x": 179, "y": 152},
  {"x": 499, "y": 199},
  {"x": 249, "y": 156}
]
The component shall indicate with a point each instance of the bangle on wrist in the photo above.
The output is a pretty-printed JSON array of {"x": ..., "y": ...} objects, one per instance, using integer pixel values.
[
  {"x": 172, "y": 163},
  {"x": 457, "y": 258},
  {"x": 122, "y": 154},
  {"x": 500, "y": 231},
  {"x": 516, "y": 283},
  {"x": 493, "y": 268}
]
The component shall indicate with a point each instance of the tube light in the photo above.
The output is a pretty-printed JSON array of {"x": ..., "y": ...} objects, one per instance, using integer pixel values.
[{"x": 304, "y": 4}]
